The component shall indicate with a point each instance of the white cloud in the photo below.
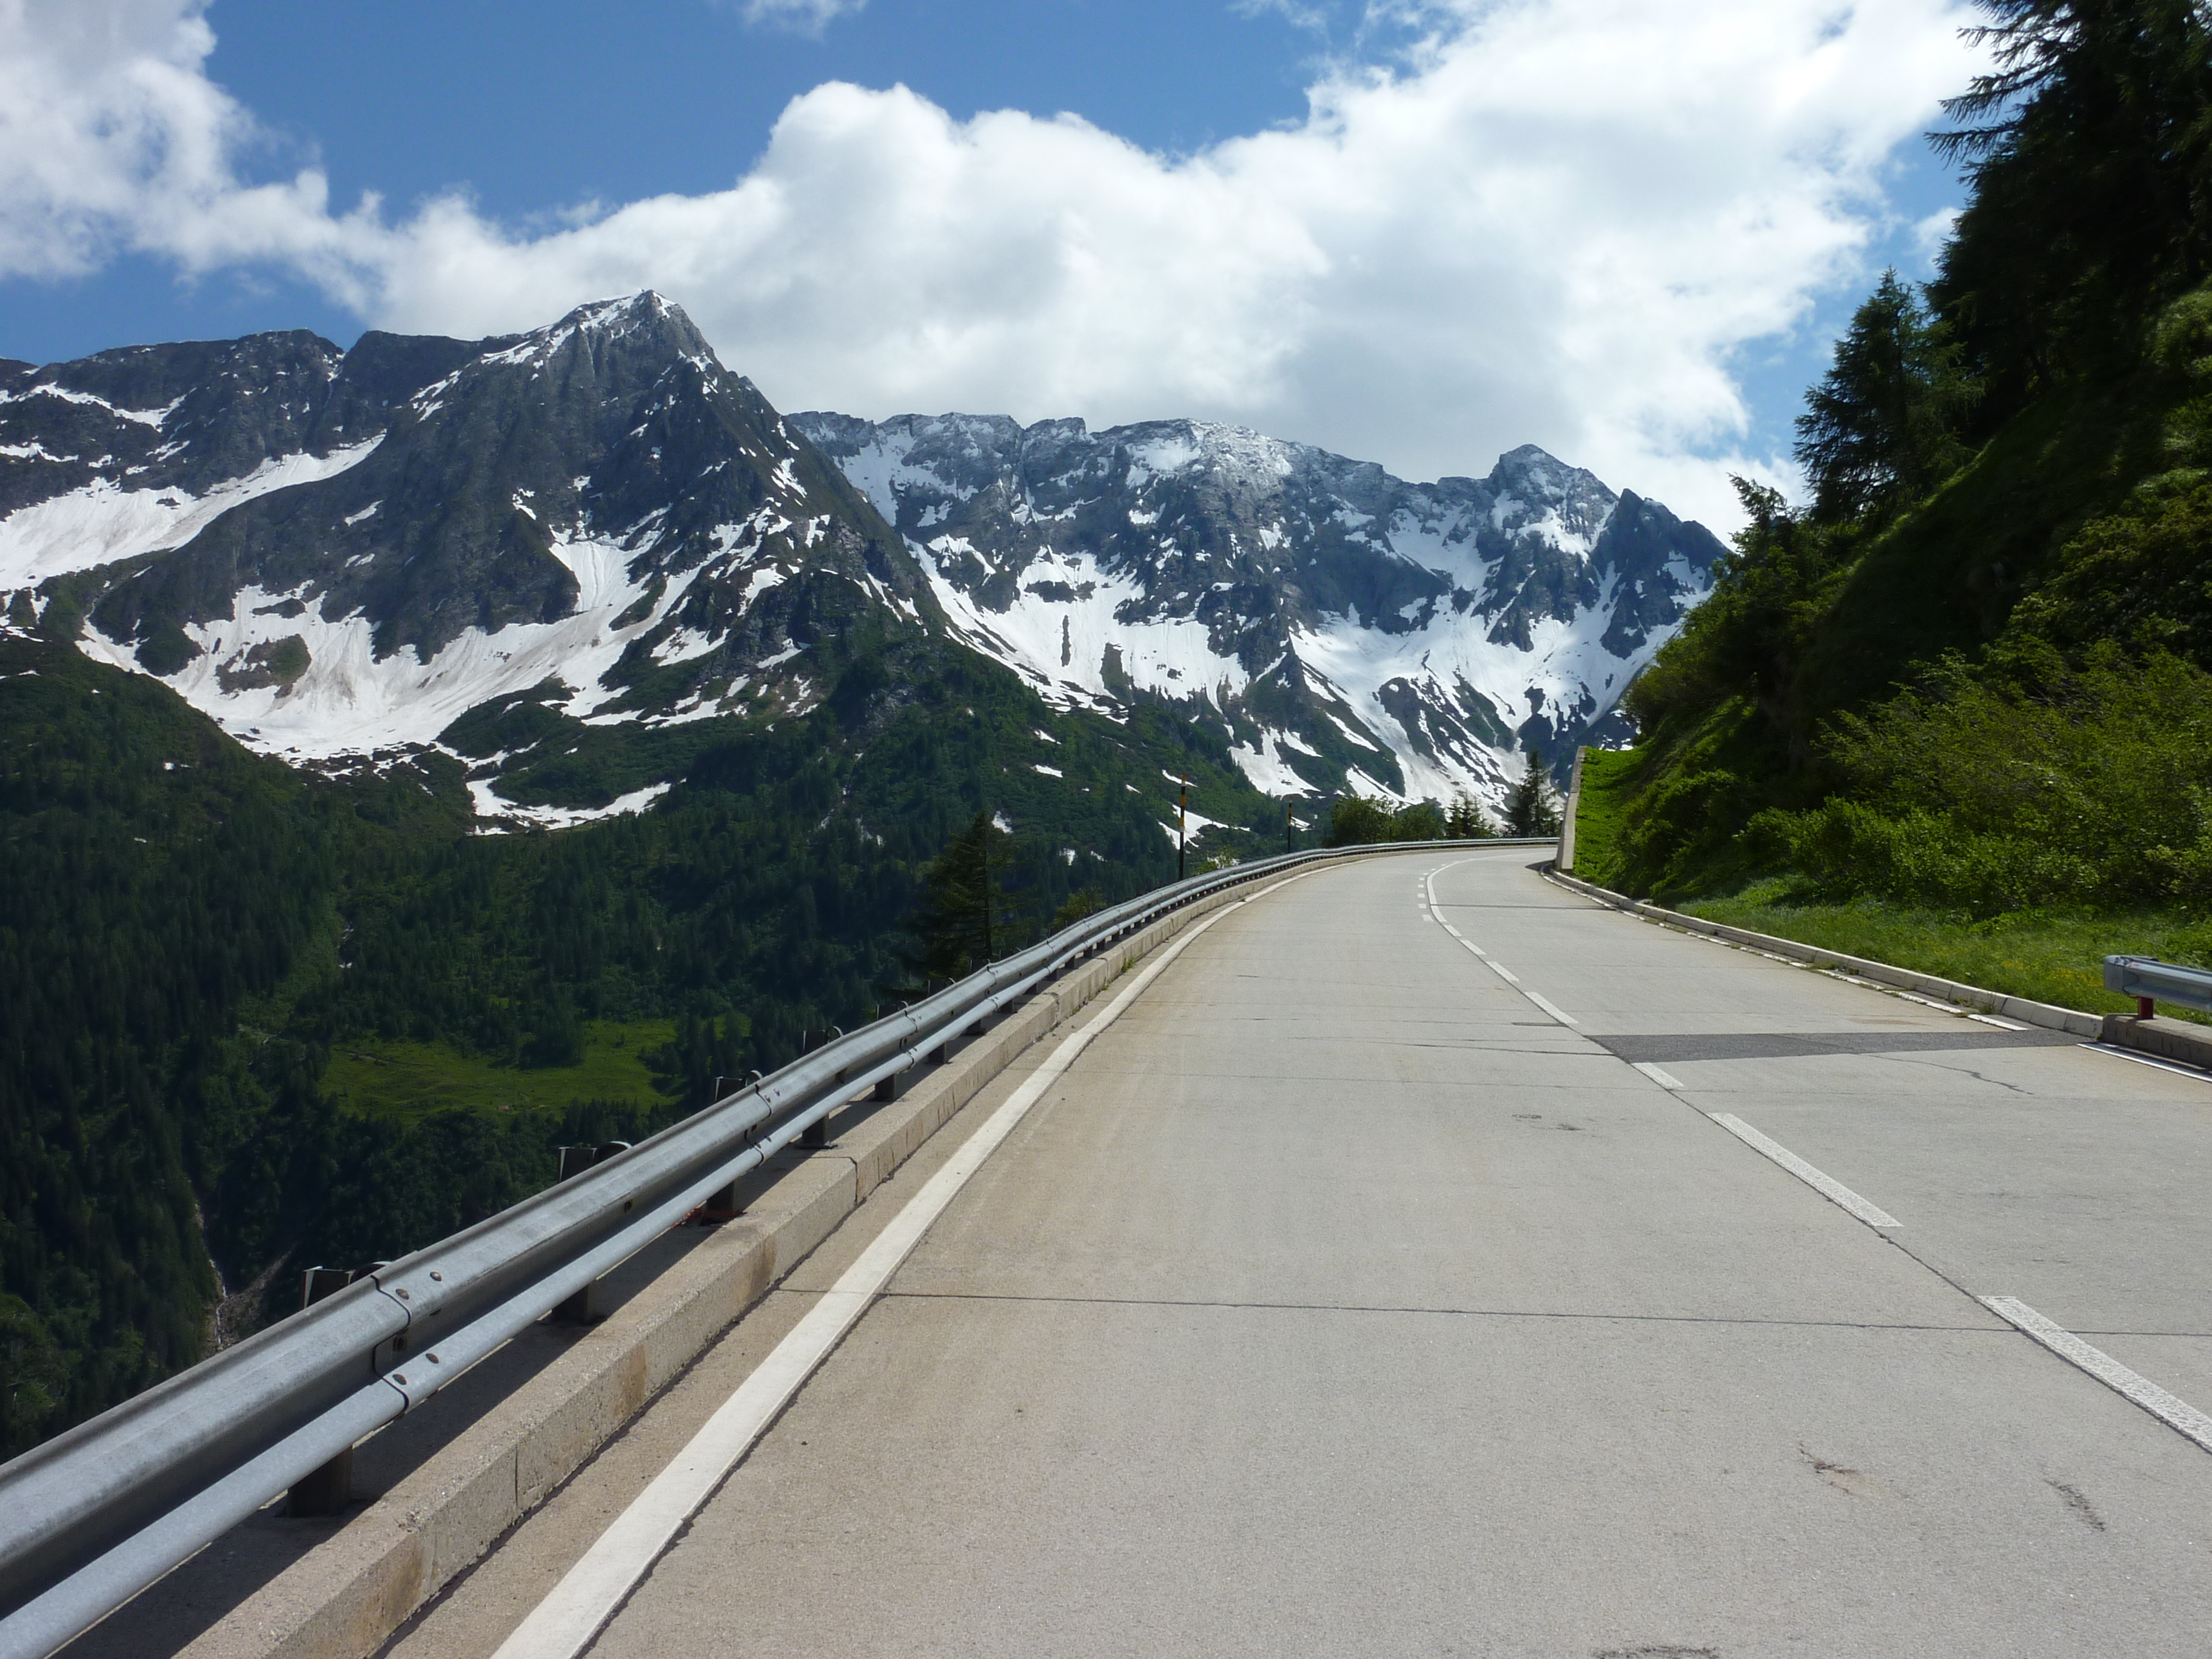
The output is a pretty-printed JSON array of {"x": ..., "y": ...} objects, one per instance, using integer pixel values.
[
  {"x": 806, "y": 16},
  {"x": 1929, "y": 234},
  {"x": 111, "y": 138},
  {"x": 1554, "y": 221},
  {"x": 1298, "y": 14}
]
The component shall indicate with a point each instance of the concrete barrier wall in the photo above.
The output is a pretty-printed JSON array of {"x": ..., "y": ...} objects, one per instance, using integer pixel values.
[{"x": 345, "y": 1597}]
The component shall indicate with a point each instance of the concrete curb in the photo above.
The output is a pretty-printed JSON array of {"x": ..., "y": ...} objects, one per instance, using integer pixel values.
[
  {"x": 344, "y": 1598},
  {"x": 2073, "y": 1020},
  {"x": 2189, "y": 1045}
]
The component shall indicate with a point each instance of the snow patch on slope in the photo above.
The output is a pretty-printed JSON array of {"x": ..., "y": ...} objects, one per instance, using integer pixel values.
[
  {"x": 1173, "y": 655},
  {"x": 503, "y": 815},
  {"x": 349, "y": 702},
  {"x": 101, "y": 522}
]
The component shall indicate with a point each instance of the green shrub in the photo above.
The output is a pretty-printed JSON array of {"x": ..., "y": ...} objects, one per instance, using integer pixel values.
[{"x": 2026, "y": 783}]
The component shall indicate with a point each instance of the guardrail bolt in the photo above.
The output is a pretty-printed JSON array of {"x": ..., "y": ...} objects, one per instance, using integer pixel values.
[{"x": 328, "y": 1490}]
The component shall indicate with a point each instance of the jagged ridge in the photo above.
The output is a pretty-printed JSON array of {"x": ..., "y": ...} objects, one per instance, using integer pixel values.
[
  {"x": 507, "y": 545},
  {"x": 1342, "y": 622}
]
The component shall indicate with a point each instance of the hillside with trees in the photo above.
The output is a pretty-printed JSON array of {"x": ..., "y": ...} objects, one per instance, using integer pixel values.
[
  {"x": 253, "y": 1018},
  {"x": 1970, "y": 675}
]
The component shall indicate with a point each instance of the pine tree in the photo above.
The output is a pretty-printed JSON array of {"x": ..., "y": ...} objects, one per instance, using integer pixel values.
[
  {"x": 2087, "y": 147},
  {"x": 961, "y": 924},
  {"x": 1466, "y": 821},
  {"x": 1535, "y": 808},
  {"x": 1879, "y": 432}
]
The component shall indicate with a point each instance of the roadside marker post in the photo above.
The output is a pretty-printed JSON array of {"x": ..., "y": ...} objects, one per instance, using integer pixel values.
[{"x": 1182, "y": 825}]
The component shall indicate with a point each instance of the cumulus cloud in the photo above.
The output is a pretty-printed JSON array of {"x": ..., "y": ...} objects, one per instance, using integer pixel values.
[
  {"x": 112, "y": 138},
  {"x": 1551, "y": 221}
]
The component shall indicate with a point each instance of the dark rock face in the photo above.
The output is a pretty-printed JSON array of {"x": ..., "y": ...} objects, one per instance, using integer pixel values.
[
  {"x": 617, "y": 424},
  {"x": 151, "y": 418},
  {"x": 1336, "y": 618}
]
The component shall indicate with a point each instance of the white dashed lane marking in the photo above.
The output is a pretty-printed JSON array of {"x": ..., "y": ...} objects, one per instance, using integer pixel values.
[
  {"x": 1827, "y": 1185},
  {"x": 2176, "y": 1413}
]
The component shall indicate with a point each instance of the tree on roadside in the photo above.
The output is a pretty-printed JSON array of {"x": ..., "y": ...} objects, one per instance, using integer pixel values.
[
  {"x": 965, "y": 919},
  {"x": 1364, "y": 821},
  {"x": 1466, "y": 821},
  {"x": 1535, "y": 808},
  {"x": 1879, "y": 431},
  {"x": 1083, "y": 901},
  {"x": 1357, "y": 821}
]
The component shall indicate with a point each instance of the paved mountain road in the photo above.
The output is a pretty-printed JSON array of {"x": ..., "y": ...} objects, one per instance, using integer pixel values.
[{"x": 1340, "y": 1298}]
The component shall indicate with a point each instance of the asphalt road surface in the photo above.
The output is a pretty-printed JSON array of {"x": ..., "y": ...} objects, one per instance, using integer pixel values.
[{"x": 1384, "y": 1280}]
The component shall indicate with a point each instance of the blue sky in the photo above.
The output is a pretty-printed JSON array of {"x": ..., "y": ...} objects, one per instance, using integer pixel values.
[{"x": 1556, "y": 221}]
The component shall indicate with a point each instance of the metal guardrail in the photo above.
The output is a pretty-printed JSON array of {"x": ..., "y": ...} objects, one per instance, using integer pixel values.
[
  {"x": 2147, "y": 981},
  {"x": 96, "y": 1514}
]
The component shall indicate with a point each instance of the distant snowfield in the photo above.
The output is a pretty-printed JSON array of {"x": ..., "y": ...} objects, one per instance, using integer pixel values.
[
  {"x": 501, "y": 814},
  {"x": 1060, "y": 647},
  {"x": 1072, "y": 618},
  {"x": 1174, "y": 655},
  {"x": 350, "y": 703},
  {"x": 103, "y": 522}
]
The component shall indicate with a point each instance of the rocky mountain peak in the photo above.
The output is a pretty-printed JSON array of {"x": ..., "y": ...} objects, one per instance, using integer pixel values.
[
  {"x": 1341, "y": 622},
  {"x": 597, "y": 513}
]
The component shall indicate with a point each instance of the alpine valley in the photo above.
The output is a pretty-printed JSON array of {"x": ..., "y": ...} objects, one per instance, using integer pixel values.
[{"x": 417, "y": 756}]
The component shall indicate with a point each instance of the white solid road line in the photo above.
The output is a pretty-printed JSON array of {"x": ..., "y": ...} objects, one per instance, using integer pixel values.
[
  {"x": 2152, "y": 1060},
  {"x": 2177, "y": 1414},
  {"x": 2001, "y": 1025},
  {"x": 1826, "y": 1186},
  {"x": 1664, "y": 1080},
  {"x": 1549, "y": 1007},
  {"x": 565, "y": 1623}
]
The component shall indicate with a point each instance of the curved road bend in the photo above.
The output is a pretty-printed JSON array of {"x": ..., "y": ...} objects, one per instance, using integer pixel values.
[{"x": 1349, "y": 1297}]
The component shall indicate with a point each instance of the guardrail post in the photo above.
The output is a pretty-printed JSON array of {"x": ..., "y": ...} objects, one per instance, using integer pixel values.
[
  {"x": 723, "y": 1205},
  {"x": 579, "y": 1308},
  {"x": 2145, "y": 1007},
  {"x": 328, "y": 1490},
  {"x": 816, "y": 1134}
]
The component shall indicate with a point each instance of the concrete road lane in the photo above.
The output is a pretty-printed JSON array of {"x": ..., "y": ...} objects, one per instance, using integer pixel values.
[{"x": 1341, "y": 1298}]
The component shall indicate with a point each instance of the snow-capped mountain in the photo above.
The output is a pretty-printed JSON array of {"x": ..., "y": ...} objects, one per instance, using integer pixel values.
[
  {"x": 542, "y": 553},
  {"x": 341, "y": 554},
  {"x": 1347, "y": 625}
]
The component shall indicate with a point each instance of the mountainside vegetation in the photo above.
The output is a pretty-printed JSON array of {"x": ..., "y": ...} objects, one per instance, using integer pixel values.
[
  {"x": 1970, "y": 679},
  {"x": 254, "y": 1018}
]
